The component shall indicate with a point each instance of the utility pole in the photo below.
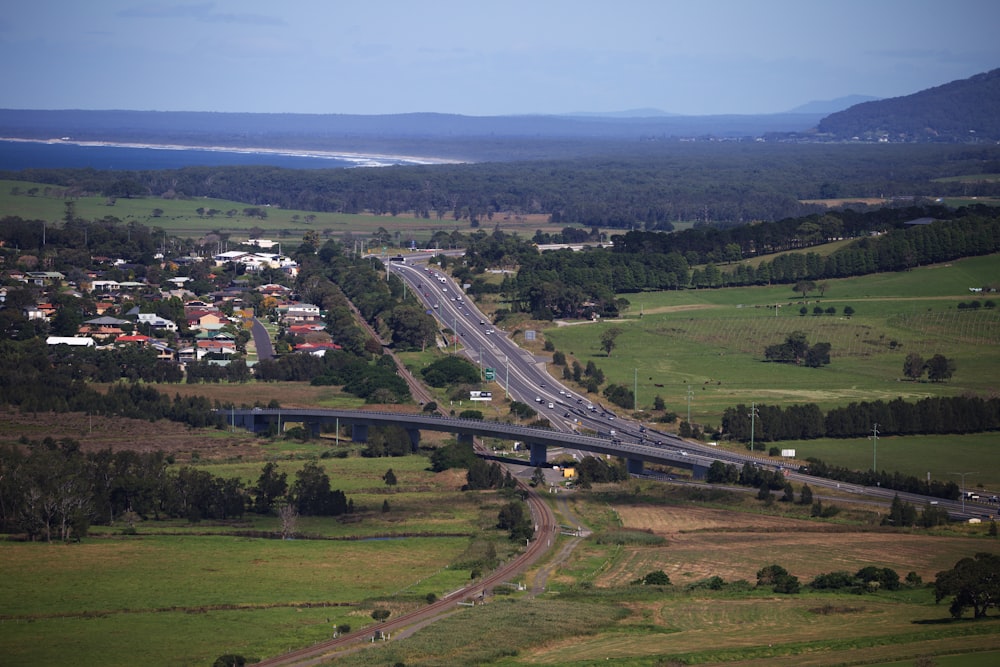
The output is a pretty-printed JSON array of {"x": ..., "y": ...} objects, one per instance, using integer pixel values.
[
  {"x": 753, "y": 423},
  {"x": 506, "y": 388},
  {"x": 635, "y": 390},
  {"x": 875, "y": 449},
  {"x": 690, "y": 395},
  {"x": 963, "y": 474}
]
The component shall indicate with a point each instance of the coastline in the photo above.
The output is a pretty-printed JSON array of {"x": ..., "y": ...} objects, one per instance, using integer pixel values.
[{"x": 358, "y": 159}]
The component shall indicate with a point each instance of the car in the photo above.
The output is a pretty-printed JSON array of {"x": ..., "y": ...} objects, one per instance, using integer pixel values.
[
  {"x": 566, "y": 414},
  {"x": 482, "y": 322},
  {"x": 487, "y": 332},
  {"x": 538, "y": 399},
  {"x": 684, "y": 453},
  {"x": 551, "y": 406}
]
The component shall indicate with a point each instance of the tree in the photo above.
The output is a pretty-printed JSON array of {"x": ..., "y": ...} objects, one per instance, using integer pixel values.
[
  {"x": 656, "y": 578},
  {"x": 389, "y": 478},
  {"x": 538, "y": 477},
  {"x": 914, "y": 366},
  {"x": 974, "y": 582},
  {"x": 778, "y": 579},
  {"x": 940, "y": 368},
  {"x": 805, "y": 286},
  {"x": 609, "y": 339},
  {"x": 381, "y": 614},
  {"x": 805, "y": 495},
  {"x": 271, "y": 485}
]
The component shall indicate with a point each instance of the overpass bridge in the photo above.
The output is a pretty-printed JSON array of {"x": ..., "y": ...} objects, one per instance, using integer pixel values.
[{"x": 537, "y": 439}]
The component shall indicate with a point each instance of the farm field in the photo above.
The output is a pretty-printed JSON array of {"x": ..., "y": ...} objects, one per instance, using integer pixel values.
[
  {"x": 592, "y": 612},
  {"x": 713, "y": 341}
]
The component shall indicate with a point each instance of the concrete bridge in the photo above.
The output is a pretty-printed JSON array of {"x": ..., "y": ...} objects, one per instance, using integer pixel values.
[{"x": 537, "y": 439}]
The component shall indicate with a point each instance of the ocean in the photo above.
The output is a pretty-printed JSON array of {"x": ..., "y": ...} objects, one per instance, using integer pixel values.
[{"x": 18, "y": 155}]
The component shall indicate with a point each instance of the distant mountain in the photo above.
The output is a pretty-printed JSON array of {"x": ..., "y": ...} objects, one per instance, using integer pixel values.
[
  {"x": 832, "y": 106},
  {"x": 628, "y": 113},
  {"x": 961, "y": 111}
]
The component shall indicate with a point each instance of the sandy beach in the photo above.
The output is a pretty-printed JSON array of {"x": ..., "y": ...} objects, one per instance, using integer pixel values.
[{"x": 358, "y": 159}]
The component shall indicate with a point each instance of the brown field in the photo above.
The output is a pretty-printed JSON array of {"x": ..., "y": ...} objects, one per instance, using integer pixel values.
[
  {"x": 95, "y": 433},
  {"x": 704, "y": 542}
]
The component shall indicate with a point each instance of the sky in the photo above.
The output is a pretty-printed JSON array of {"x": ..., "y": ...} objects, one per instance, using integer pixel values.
[{"x": 483, "y": 58}]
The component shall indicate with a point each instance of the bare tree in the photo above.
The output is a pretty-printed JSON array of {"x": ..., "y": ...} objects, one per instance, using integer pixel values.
[{"x": 288, "y": 516}]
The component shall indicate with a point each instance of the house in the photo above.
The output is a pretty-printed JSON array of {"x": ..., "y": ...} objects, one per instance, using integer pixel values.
[
  {"x": 229, "y": 256},
  {"x": 302, "y": 313},
  {"x": 105, "y": 286},
  {"x": 104, "y": 327},
  {"x": 134, "y": 339},
  {"x": 74, "y": 341},
  {"x": 157, "y": 323},
  {"x": 303, "y": 329},
  {"x": 206, "y": 347},
  {"x": 207, "y": 319},
  {"x": 34, "y": 313},
  {"x": 44, "y": 278},
  {"x": 317, "y": 349},
  {"x": 275, "y": 290}
]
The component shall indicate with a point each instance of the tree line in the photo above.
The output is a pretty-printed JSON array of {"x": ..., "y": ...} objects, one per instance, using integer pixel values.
[
  {"x": 564, "y": 283},
  {"x": 932, "y": 415},
  {"x": 52, "y": 490}
]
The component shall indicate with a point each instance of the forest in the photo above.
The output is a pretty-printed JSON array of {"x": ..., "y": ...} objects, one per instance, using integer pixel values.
[{"x": 646, "y": 185}]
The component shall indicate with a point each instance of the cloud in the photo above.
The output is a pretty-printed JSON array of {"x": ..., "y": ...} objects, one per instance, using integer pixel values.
[{"x": 202, "y": 12}]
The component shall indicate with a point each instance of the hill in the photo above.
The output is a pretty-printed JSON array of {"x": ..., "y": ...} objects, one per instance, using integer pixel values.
[{"x": 961, "y": 111}]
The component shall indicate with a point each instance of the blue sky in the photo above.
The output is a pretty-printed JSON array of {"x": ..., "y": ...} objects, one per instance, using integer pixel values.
[{"x": 484, "y": 58}]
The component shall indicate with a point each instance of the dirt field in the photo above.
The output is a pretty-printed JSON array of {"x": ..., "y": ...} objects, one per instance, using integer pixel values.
[
  {"x": 95, "y": 433},
  {"x": 733, "y": 545}
]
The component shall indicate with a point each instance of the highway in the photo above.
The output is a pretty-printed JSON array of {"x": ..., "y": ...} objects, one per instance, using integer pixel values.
[{"x": 525, "y": 379}]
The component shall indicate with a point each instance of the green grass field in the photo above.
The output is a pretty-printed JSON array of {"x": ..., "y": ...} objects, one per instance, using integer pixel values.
[
  {"x": 713, "y": 341},
  {"x": 180, "y": 217}
]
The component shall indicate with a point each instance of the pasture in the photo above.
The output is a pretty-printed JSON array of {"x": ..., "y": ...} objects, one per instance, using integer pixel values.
[
  {"x": 116, "y": 598},
  {"x": 707, "y": 346}
]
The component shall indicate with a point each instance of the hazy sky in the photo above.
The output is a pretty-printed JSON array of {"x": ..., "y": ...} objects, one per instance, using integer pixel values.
[{"x": 482, "y": 57}]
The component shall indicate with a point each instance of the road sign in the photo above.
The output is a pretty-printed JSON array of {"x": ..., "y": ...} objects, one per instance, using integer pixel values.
[{"x": 491, "y": 375}]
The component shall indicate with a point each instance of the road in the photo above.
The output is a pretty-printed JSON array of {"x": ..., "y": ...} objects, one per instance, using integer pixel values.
[
  {"x": 261, "y": 340},
  {"x": 544, "y": 538}
]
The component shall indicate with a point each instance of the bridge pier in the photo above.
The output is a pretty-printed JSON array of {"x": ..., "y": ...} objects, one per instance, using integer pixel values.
[
  {"x": 699, "y": 471},
  {"x": 359, "y": 432},
  {"x": 539, "y": 455},
  {"x": 466, "y": 439},
  {"x": 634, "y": 466},
  {"x": 414, "y": 434}
]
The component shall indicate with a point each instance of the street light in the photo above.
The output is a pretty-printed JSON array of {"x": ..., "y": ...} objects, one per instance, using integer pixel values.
[{"x": 963, "y": 474}]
